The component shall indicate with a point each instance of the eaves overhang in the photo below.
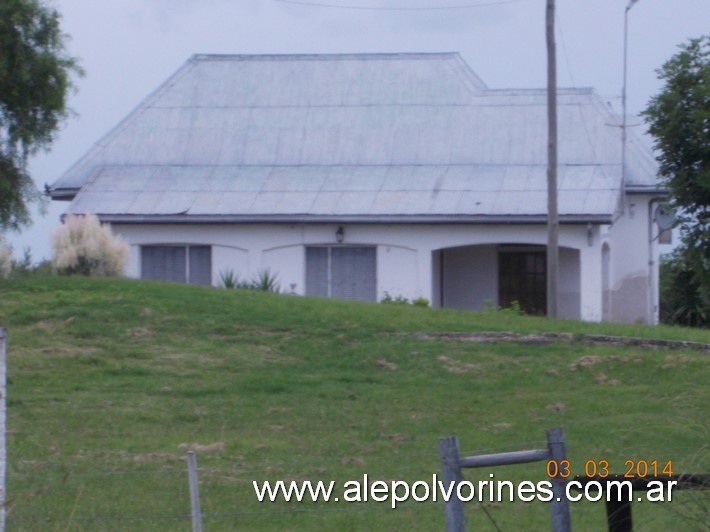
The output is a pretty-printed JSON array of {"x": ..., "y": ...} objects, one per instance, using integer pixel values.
[
  {"x": 62, "y": 194},
  {"x": 534, "y": 219},
  {"x": 646, "y": 189}
]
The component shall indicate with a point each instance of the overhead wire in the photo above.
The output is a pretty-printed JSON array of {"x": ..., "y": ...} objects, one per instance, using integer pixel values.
[{"x": 583, "y": 119}]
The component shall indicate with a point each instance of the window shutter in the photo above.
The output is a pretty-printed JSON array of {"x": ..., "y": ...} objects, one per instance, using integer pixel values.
[
  {"x": 200, "y": 265},
  {"x": 163, "y": 263},
  {"x": 172, "y": 263},
  {"x": 353, "y": 273},
  {"x": 317, "y": 271},
  {"x": 175, "y": 264},
  {"x": 150, "y": 262},
  {"x": 342, "y": 272}
]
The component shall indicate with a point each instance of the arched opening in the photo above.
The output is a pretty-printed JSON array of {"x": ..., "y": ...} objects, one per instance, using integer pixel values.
[{"x": 495, "y": 275}]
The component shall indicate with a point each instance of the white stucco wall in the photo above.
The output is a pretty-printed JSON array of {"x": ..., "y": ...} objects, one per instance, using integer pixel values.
[
  {"x": 590, "y": 273},
  {"x": 569, "y": 293},
  {"x": 633, "y": 263},
  {"x": 407, "y": 257},
  {"x": 397, "y": 272}
]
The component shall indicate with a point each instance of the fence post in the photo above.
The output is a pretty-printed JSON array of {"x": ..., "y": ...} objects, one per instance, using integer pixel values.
[
  {"x": 3, "y": 419},
  {"x": 618, "y": 511},
  {"x": 559, "y": 505},
  {"x": 453, "y": 508},
  {"x": 195, "y": 510}
]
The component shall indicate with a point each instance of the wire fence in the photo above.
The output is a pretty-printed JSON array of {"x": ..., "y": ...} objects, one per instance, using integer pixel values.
[{"x": 153, "y": 493}]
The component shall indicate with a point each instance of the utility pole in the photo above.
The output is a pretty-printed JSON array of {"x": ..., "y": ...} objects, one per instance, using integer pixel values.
[{"x": 553, "y": 254}]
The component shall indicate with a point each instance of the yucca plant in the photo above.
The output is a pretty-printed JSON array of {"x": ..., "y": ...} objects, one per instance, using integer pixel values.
[
  {"x": 266, "y": 281},
  {"x": 228, "y": 279}
]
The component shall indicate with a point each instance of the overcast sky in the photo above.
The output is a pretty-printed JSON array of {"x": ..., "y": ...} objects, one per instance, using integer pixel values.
[{"x": 129, "y": 47}]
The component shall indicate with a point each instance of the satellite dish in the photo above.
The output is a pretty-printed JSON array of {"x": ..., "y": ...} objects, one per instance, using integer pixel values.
[{"x": 664, "y": 216}]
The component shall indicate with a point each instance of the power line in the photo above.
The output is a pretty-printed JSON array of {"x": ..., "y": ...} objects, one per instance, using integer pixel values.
[
  {"x": 373, "y": 8},
  {"x": 590, "y": 140}
]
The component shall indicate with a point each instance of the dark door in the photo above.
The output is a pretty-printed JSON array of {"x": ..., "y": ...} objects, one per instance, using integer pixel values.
[{"x": 522, "y": 277}]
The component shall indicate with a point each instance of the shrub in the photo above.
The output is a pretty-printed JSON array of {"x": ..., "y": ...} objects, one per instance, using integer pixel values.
[
  {"x": 25, "y": 268},
  {"x": 387, "y": 299},
  {"x": 681, "y": 295},
  {"x": 84, "y": 246},
  {"x": 5, "y": 259},
  {"x": 420, "y": 302},
  {"x": 229, "y": 279},
  {"x": 264, "y": 281},
  {"x": 22, "y": 267},
  {"x": 25, "y": 263},
  {"x": 515, "y": 308}
]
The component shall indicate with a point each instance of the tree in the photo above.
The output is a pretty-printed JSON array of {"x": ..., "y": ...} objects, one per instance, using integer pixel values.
[
  {"x": 35, "y": 78},
  {"x": 679, "y": 120},
  {"x": 680, "y": 297}
]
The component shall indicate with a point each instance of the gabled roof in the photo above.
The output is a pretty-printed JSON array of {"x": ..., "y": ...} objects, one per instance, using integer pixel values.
[{"x": 398, "y": 136}]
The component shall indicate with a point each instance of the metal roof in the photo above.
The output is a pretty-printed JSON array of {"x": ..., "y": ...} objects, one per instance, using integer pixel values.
[
  {"x": 350, "y": 135},
  {"x": 429, "y": 190}
]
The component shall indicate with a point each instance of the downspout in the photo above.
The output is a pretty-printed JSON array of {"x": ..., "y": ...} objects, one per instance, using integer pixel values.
[{"x": 652, "y": 305}]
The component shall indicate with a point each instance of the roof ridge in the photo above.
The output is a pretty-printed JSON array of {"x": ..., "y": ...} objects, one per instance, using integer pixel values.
[{"x": 321, "y": 56}]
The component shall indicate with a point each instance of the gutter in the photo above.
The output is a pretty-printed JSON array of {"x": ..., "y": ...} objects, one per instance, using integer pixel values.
[
  {"x": 640, "y": 189},
  {"x": 61, "y": 194},
  {"x": 534, "y": 219}
]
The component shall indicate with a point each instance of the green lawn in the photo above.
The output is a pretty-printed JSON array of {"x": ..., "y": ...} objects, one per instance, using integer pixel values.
[{"x": 109, "y": 382}]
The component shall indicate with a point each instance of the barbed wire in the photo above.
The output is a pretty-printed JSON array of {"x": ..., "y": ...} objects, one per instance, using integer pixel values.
[
  {"x": 342, "y": 508},
  {"x": 26, "y": 508}
]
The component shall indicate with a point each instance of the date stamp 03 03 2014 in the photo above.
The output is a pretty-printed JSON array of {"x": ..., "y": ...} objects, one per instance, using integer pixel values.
[{"x": 633, "y": 469}]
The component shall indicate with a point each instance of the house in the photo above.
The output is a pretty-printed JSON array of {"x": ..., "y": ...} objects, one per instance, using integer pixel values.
[{"x": 356, "y": 175}]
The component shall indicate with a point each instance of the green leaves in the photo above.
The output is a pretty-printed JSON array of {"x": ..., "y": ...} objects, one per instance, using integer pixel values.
[
  {"x": 35, "y": 78},
  {"x": 679, "y": 119}
]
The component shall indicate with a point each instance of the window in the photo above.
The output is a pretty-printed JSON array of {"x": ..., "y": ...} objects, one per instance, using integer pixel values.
[
  {"x": 181, "y": 264},
  {"x": 341, "y": 272},
  {"x": 522, "y": 277}
]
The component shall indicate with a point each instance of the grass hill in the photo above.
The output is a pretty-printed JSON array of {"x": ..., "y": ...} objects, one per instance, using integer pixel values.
[{"x": 110, "y": 382}]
